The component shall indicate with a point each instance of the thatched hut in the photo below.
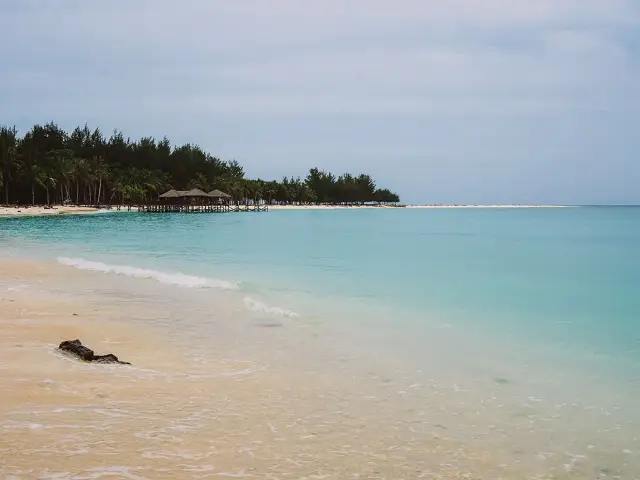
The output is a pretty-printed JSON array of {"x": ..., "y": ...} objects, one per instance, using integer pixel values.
[
  {"x": 171, "y": 194},
  {"x": 196, "y": 193},
  {"x": 219, "y": 196},
  {"x": 172, "y": 197},
  {"x": 195, "y": 200},
  {"x": 194, "y": 196}
]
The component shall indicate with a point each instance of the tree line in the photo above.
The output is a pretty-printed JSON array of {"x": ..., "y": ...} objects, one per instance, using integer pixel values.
[{"x": 49, "y": 165}]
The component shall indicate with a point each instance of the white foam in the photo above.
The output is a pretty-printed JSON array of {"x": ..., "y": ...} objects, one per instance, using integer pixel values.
[
  {"x": 179, "y": 279},
  {"x": 256, "y": 306},
  {"x": 118, "y": 472}
]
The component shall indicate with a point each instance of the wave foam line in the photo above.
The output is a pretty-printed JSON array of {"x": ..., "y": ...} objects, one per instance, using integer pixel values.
[
  {"x": 256, "y": 306},
  {"x": 179, "y": 279}
]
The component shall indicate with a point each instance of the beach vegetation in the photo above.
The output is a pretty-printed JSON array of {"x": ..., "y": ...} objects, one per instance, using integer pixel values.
[{"x": 85, "y": 167}]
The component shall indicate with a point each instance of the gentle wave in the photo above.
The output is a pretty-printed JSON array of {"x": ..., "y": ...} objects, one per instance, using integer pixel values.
[
  {"x": 256, "y": 306},
  {"x": 179, "y": 279}
]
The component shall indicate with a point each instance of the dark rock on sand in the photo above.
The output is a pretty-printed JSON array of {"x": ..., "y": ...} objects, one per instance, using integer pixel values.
[
  {"x": 108, "y": 358},
  {"x": 76, "y": 349}
]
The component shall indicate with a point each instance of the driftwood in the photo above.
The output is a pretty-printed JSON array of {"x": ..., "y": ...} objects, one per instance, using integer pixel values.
[{"x": 76, "y": 349}]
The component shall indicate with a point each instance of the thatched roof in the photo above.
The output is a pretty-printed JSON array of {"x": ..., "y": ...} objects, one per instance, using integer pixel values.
[
  {"x": 180, "y": 193},
  {"x": 171, "y": 194},
  {"x": 218, "y": 194},
  {"x": 195, "y": 192}
]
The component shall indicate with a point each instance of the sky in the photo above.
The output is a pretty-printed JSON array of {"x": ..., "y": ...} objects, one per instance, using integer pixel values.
[{"x": 464, "y": 101}]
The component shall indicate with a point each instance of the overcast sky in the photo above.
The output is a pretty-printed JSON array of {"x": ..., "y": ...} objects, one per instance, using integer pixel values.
[{"x": 477, "y": 101}]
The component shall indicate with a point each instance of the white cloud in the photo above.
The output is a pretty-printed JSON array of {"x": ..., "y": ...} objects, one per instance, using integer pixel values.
[{"x": 498, "y": 70}]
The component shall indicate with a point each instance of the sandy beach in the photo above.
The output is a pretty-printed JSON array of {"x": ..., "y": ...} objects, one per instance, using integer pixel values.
[
  {"x": 39, "y": 210},
  {"x": 177, "y": 413},
  {"x": 168, "y": 416}
]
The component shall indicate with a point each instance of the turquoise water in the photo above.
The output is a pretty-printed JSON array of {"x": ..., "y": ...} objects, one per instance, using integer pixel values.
[
  {"x": 475, "y": 289},
  {"x": 564, "y": 276}
]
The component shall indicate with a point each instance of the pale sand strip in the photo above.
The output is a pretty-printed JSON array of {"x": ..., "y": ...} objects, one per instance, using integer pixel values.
[
  {"x": 54, "y": 210},
  {"x": 357, "y": 207}
]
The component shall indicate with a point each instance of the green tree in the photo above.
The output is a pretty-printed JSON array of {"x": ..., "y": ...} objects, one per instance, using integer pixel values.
[
  {"x": 385, "y": 196},
  {"x": 9, "y": 163},
  {"x": 62, "y": 161},
  {"x": 33, "y": 169},
  {"x": 49, "y": 163}
]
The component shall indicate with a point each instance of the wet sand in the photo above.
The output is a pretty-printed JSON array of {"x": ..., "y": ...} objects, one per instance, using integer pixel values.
[{"x": 181, "y": 413}]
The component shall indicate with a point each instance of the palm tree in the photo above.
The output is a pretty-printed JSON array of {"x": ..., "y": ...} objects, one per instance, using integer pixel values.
[
  {"x": 48, "y": 181},
  {"x": 36, "y": 175},
  {"x": 9, "y": 162},
  {"x": 199, "y": 181},
  {"x": 270, "y": 190},
  {"x": 81, "y": 175},
  {"x": 62, "y": 171},
  {"x": 116, "y": 180},
  {"x": 149, "y": 181},
  {"x": 100, "y": 172},
  {"x": 165, "y": 181},
  {"x": 31, "y": 165}
]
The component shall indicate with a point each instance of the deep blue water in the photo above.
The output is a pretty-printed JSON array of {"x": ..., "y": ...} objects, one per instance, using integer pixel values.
[{"x": 569, "y": 277}]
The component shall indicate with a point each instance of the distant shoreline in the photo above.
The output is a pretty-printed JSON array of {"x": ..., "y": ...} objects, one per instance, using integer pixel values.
[
  {"x": 355, "y": 207},
  {"x": 20, "y": 211}
]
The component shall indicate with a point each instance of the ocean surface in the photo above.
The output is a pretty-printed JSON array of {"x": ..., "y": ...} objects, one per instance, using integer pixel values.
[{"x": 520, "y": 322}]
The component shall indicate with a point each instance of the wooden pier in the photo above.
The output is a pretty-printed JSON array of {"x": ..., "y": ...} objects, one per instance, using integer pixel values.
[
  {"x": 197, "y": 201},
  {"x": 177, "y": 208}
]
